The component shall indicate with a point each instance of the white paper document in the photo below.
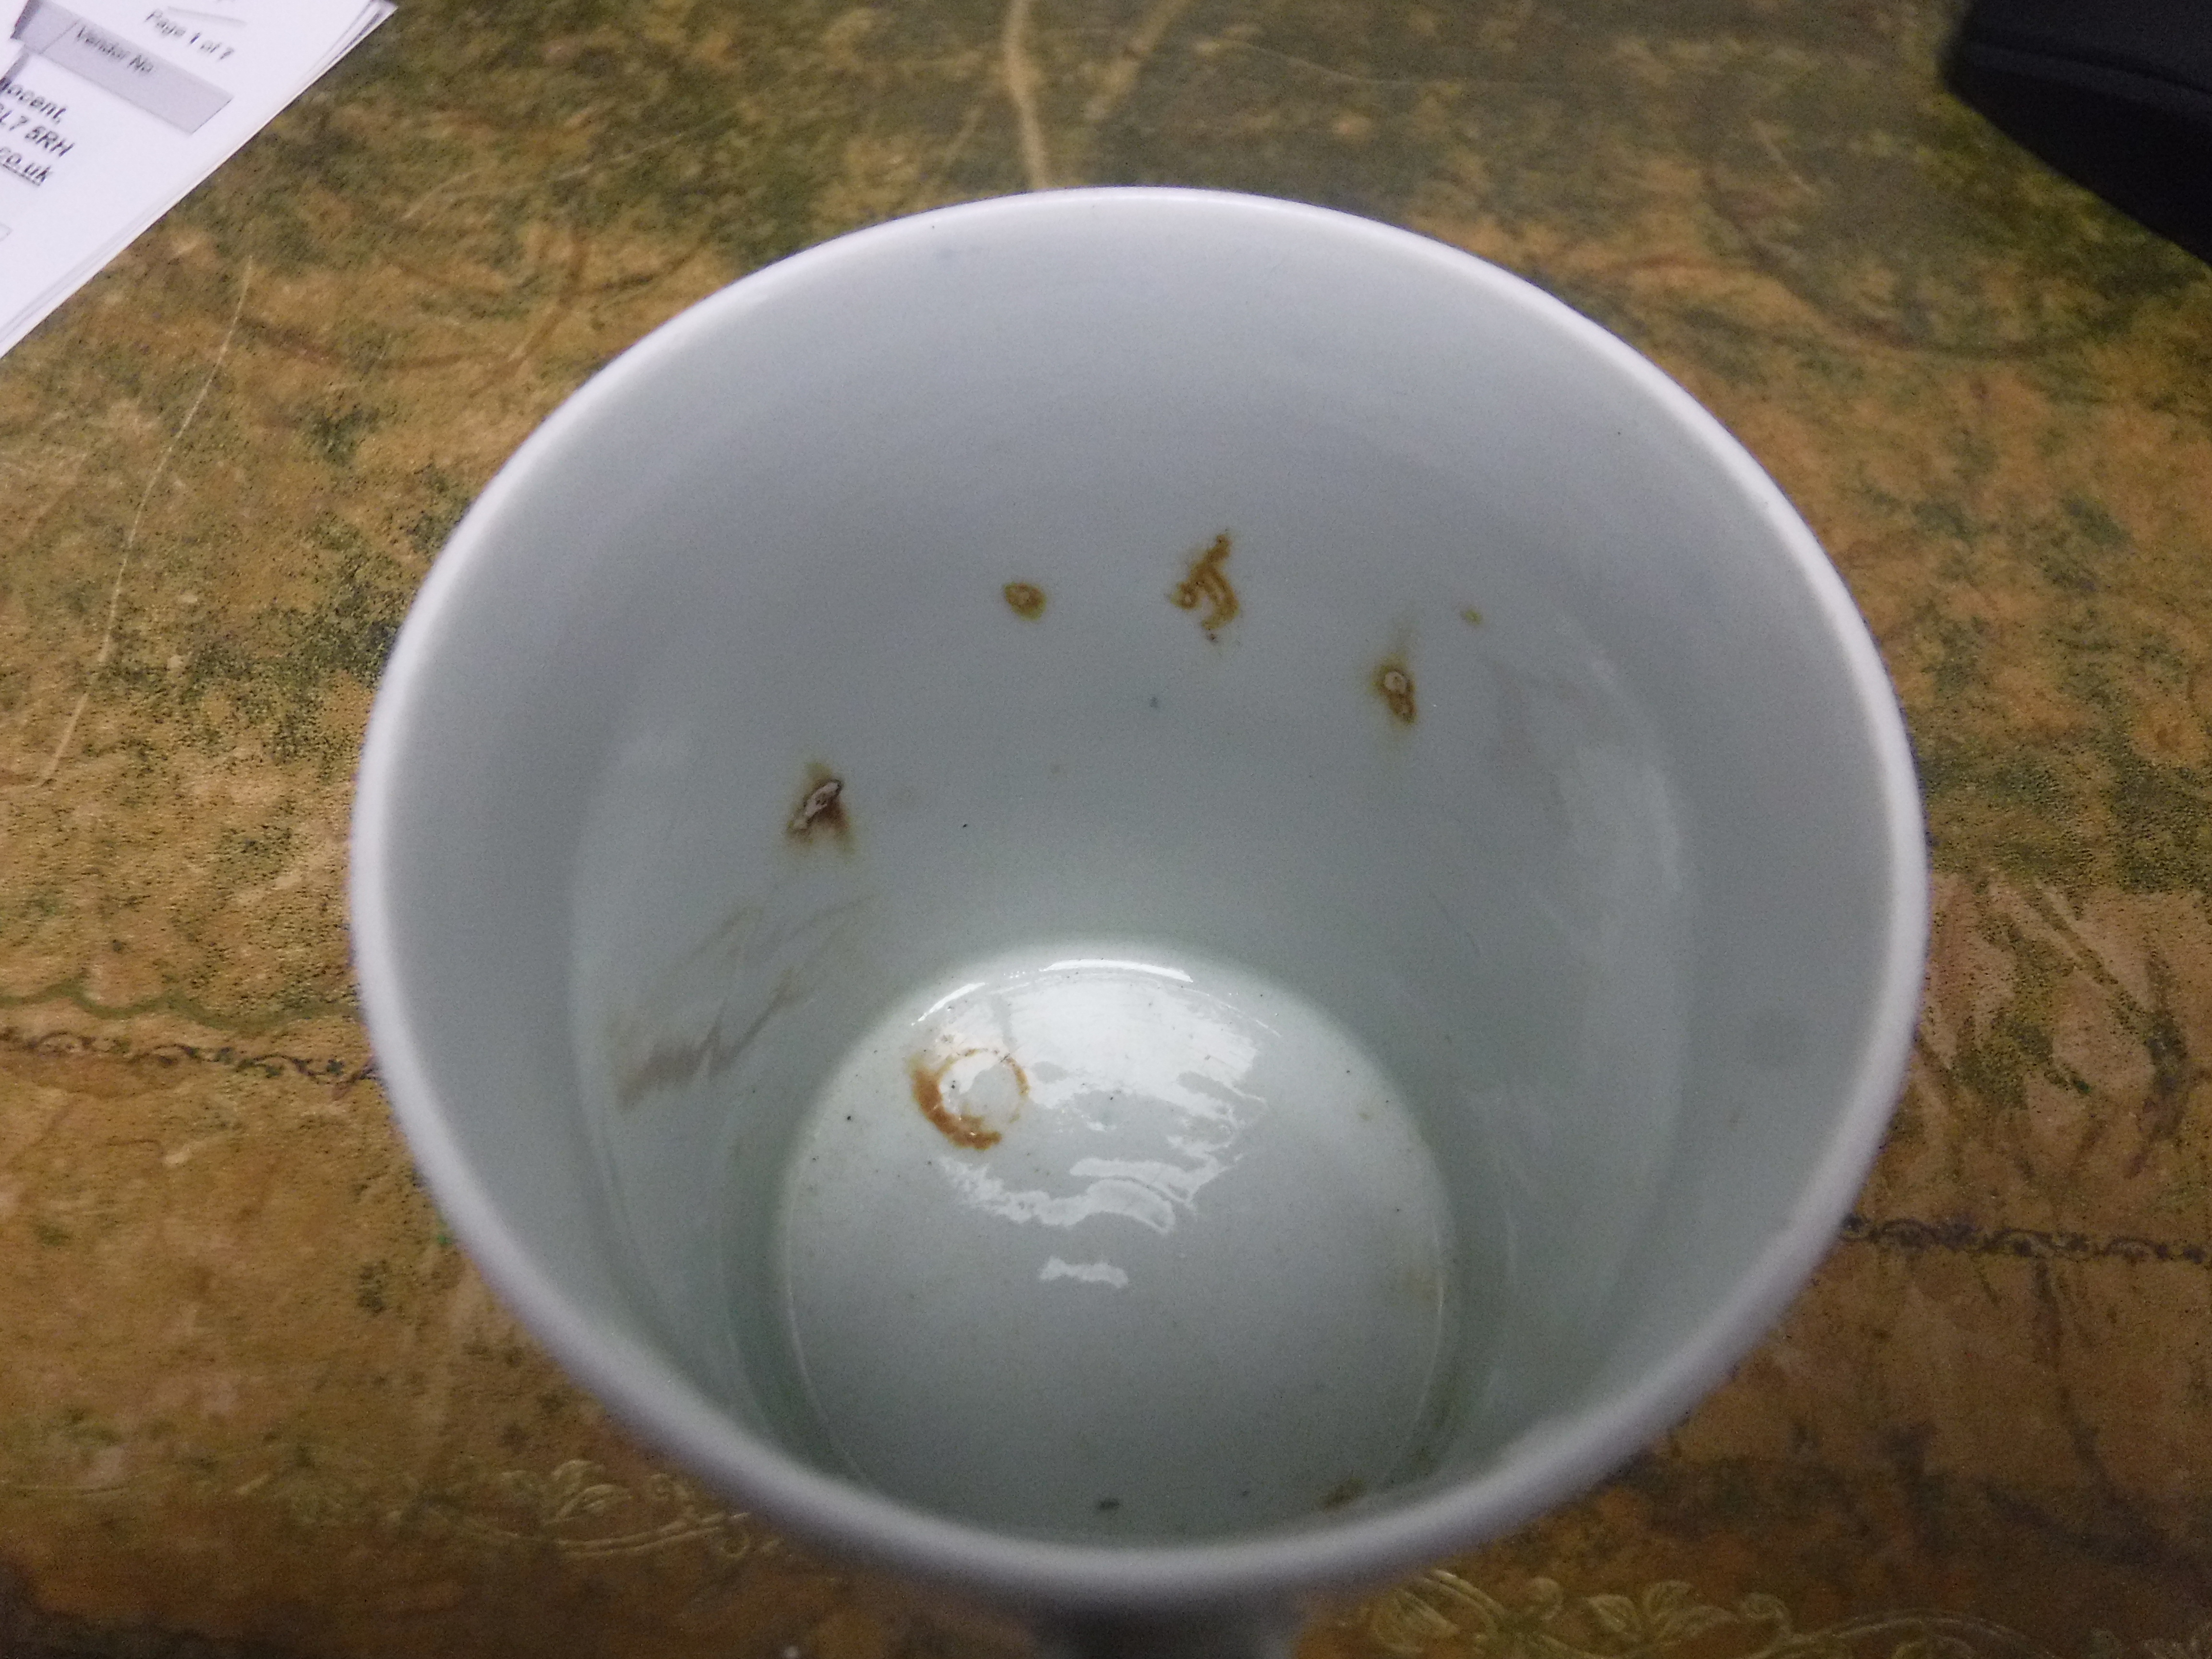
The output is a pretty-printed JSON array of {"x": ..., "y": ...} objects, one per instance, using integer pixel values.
[
  {"x": 116, "y": 109},
  {"x": 11, "y": 49}
]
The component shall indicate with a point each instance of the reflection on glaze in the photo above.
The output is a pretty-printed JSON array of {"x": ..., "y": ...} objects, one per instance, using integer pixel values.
[
  {"x": 1176, "y": 1206},
  {"x": 1152, "y": 1204},
  {"x": 1117, "y": 1048},
  {"x": 1072, "y": 964},
  {"x": 1090, "y": 1273},
  {"x": 1087, "y": 1029},
  {"x": 951, "y": 997}
]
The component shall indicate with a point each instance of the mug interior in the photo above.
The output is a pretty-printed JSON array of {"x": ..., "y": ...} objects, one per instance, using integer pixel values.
[{"x": 1136, "y": 868}]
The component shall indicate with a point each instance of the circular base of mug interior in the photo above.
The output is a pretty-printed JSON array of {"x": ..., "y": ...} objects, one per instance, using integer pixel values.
[{"x": 1099, "y": 1241}]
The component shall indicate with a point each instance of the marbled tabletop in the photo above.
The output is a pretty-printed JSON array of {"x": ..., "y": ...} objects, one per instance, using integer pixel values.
[{"x": 254, "y": 1400}]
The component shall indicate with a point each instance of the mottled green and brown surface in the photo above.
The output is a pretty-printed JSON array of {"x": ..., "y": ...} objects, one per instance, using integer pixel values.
[{"x": 251, "y": 1399}]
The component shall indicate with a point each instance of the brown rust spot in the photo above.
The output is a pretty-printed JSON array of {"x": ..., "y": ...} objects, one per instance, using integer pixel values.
[
  {"x": 1205, "y": 583},
  {"x": 820, "y": 813},
  {"x": 1346, "y": 1490},
  {"x": 962, "y": 1128},
  {"x": 1394, "y": 683},
  {"x": 1024, "y": 599}
]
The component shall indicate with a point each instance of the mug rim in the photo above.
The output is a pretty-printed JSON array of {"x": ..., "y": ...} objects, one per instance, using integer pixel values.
[{"x": 656, "y": 1401}]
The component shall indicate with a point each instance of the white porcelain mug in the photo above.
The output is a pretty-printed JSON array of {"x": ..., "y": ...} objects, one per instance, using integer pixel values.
[{"x": 1140, "y": 899}]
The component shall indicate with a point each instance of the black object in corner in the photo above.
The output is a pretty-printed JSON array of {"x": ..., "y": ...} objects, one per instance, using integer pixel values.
[{"x": 2115, "y": 93}]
